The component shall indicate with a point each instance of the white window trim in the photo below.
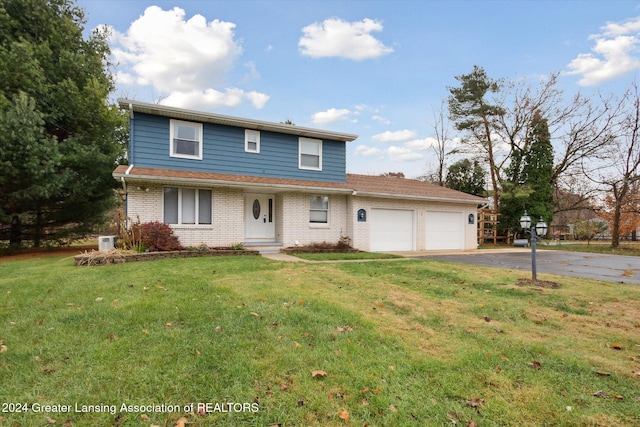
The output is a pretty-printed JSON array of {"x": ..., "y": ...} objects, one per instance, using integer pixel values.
[
  {"x": 320, "y": 224},
  {"x": 300, "y": 166},
  {"x": 172, "y": 152},
  {"x": 248, "y": 132},
  {"x": 197, "y": 207}
]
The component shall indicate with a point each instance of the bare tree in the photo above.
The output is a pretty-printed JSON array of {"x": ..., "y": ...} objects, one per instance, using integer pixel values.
[
  {"x": 441, "y": 149},
  {"x": 581, "y": 128},
  {"x": 621, "y": 169}
]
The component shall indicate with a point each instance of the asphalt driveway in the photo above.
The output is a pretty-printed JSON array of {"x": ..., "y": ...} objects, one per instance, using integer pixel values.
[{"x": 612, "y": 268}]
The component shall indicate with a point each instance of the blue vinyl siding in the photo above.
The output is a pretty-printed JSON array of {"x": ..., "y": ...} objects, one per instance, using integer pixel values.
[{"x": 223, "y": 152}]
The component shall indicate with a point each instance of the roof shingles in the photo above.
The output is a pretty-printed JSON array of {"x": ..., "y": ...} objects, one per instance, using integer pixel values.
[{"x": 364, "y": 185}]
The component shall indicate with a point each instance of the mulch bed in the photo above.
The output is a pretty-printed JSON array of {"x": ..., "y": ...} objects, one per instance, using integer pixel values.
[{"x": 118, "y": 257}]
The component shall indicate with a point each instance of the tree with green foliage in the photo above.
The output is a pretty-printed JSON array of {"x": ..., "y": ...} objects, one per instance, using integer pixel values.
[
  {"x": 529, "y": 183},
  {"x": 60, "y": 138},
  {"x": 472, "y": 113},
  {"x": 466, "y": 177}
]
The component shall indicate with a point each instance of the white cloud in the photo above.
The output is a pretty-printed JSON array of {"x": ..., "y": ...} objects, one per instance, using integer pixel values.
[
  {"x": 396, "y": 136},
  {"x": 614, "y": 54},
  {"x": 364, "y": 150},
  {"x": 422, "y": 144},
  {"x": 257, "y": 99},
  {"x": 380, "y": 119},
  {"x": 186, "y": 59},
  {"x": 330, "y": 116},
  {"x": 337, "y": 38},
  {"x": 402, "y": 154}
]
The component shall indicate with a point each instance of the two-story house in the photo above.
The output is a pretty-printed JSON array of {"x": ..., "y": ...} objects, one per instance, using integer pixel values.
[{"x": 222, "y": 180}]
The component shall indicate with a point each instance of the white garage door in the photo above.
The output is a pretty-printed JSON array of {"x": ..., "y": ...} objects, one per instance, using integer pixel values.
[
  {"x": 444, "y": 230},
  {"x": 391, "y": 230}
]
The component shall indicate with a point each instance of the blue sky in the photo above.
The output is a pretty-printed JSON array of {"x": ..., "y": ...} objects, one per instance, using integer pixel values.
[{"x": 373, "y": 68}]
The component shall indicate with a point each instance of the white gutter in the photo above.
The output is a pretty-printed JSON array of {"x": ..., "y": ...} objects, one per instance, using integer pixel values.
[
  {"x": 233, "y": 184},
  {"x": 412, "y": 197}
]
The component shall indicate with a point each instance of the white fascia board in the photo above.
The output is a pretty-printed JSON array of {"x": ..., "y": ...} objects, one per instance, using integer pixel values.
[
  {"x": 198, "y": 116},
  {"x": 234, "y": 184}
]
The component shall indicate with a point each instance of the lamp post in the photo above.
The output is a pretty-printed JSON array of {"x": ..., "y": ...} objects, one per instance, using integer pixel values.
[{"x": 540, "y": 229}]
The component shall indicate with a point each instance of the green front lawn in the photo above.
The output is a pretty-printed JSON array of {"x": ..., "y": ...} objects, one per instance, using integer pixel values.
[
  {"x": 344, "y": 256},
  {"x": 623, "y": 249},
  {"x": 296, "y": 344}
]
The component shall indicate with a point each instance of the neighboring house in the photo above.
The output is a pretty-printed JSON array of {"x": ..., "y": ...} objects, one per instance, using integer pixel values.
[{"x": 222, "y": 180}]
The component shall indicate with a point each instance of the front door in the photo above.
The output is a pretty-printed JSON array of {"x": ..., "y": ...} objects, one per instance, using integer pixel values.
[{"x": 259, "y": 217}]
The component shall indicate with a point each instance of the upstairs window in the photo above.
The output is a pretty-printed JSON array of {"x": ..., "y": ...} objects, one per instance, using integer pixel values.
[
  {"x": 186, "y": 140},
  {"x": 187, "y": 206},
  {"x": 310, "y": 154},
  {"x": 319, "y": 209},
  {"x": 251, "y": 141}
]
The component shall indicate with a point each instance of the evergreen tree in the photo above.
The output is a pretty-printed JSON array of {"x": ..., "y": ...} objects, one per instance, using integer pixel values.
[
  {"x": 471, "y": 112},
  {"x": 60, "y": 82},
  {"x": 466, "y": 177},
  {"x": 529, "y": 179}
]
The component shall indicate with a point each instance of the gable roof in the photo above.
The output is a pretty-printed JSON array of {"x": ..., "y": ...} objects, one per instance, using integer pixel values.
[
  {"x": 357, "y": 185},
  {"x": 382, "y": 186},
  {"x": 199, "y": 116}
]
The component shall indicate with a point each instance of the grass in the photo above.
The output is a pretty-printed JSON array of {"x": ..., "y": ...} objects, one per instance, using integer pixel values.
[
  {"x": 399, "y": 343},
  {"x": 344, "y": 256},
  {"x": 623, "y": 249}
]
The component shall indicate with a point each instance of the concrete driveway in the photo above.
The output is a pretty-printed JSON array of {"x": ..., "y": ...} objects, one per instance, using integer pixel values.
[{"x": 612, "y": 268}]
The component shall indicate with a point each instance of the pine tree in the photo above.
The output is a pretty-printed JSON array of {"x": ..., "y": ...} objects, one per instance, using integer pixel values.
[
  {"x": 61, "y": 81},
  {"x": 529, "y": 179},
  {"x": 466, "y": 177}
]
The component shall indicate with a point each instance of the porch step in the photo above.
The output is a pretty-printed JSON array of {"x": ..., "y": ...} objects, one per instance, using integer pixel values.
[{"x": 264, "y": 248}]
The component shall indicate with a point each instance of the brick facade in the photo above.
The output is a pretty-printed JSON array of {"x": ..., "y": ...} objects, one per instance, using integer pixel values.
[{"x": 292, "y": 226}]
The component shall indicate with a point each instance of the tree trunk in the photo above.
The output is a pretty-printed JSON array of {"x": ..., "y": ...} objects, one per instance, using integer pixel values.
[
  {"x": 615, "y": 232},
  {"x": 15, "y": 233},
  {"x": 38, "y": 231},
  {"x": 492, "y": 163}
]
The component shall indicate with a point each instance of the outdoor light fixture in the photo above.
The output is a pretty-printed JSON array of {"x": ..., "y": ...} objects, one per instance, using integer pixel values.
[
  {"x": 540, "y": 229},
  {"x": 525, "y": 221}
]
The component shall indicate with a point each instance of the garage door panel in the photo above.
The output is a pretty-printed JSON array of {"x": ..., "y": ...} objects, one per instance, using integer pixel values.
[
  {"x": 391, "y": 230},
  {"x": 444, "y": 230}
]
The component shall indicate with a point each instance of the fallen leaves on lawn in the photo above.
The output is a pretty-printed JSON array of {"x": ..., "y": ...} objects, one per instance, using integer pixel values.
[
  {"x": 600, "y": 393},
  {"x": 318, "y": 373},
  {"x": 345, "y": 328},
  {"x": 50, "y": 420},
  {"x": 616, "y": 346},
  {"x": 535, "y": 365},
  {"x": 182, "y": 421},
  {"x": 344, "y": 415},
  {"x": 474, "y": 402},
  {"x": 603, "y": 373}
]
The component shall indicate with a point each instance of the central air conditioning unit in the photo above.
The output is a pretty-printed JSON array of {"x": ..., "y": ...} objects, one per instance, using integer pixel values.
[{"x": 106, "y": 243}]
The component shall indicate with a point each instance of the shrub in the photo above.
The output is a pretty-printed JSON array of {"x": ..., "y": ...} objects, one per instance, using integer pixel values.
[{"x": 157, "y": 236}]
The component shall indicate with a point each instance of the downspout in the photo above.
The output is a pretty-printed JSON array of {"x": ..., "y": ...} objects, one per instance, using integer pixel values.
[
  {"x": 131, "y": 134},
  {"x": 126, "y": 193}
]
